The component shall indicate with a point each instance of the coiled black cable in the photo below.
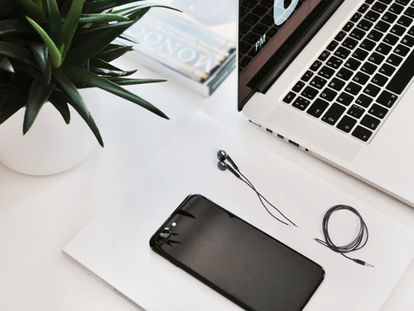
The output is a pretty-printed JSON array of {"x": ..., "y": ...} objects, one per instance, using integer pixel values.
[{"x": 359, "y": 242}]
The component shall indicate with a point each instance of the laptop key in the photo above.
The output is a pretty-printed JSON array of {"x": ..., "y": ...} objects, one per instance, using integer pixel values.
[
  {"x": 372, "y": 90},
  {"x": 389, "y": 17},
  {"x": 396, "y": 8},
  {"x": 340, "y": 36},
  {"x": 345, "y": 99},
  {"x": 315, "y": 66},
  {"x": 370, "y": 122},
  {"x": 332, "y": 45},
  {"x": 382, "y": 26},
  {"x": 317, "y": 108},
  {"x": 405, "y": 21},
  {"x": 357, "y": 34},
  {"x": 324, "y": 55},
  {"x": 361, "y": 78},
  {"x": 379, "y": 7},
  {"x": 375, "y": 35},
  {"x": 379, "y": 79},
  {"x": 364, "y": 100},
  {"x": 403, "y": 76},
  {"x": 356, "y": 17},
  {"x": 372, "y": 16},
  {"x": 401, "y": 50},
  {"x": 309, "y": 92},
  {"x": 376, "y": 58},
  {"x": 352, "y": 64},
  {"x": 394, "y": 60},
  {"x": 363, "y": 8},
  {"x": 350, "y": 43},
  {"x": 298, "y": 86},
  {"x": 326, "y": 72},
  {"x": 353, "y": 88},
  {"x": 383, "y": 48},
  {"x": 387, "y": 99},
  {"x": 301, "y": 103},
  {"x": 365, "y": 24},
  {"x": 368, "y": 44},
  {"x": 318, "y": 82},
  {"x": 409, "y": 12},
  {"x": 362, "y": 133},
  {"x": 336, "y": 84},
  {"x": 342, "y": 52},
  {"x": 307, "y": 75},
  {"x": 346, "y": 124},
  {"x": 387, "y": 70},
  {"x": 356, "y": 111},
  {"x": 397, "y": 30},
  {"x": 360, "y": 54},
  {"x": 378, "y": 111},
  {"x": 408, "y": 40},
  {"x": 333, "y": 114},
  {"x": 368, "y": 68},
  {"x": 334, "y": 62},
  {"x": 391, "y": 39},
  {"x": 348, "y": 26},
  {"x": 344, "y": 74},
  {"x": 289, "y": 97},
  {"x": 328, "y": 94}
]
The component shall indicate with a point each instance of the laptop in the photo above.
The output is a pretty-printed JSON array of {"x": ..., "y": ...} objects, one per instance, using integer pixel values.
[{"x": 334, "y": 78}]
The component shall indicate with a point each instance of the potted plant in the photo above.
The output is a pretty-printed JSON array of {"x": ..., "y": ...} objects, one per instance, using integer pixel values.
[{"x": 51, "y": 49}]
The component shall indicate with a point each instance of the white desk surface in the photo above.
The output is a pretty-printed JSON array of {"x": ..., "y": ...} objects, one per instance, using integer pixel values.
[{"x": 39, "y": 215}]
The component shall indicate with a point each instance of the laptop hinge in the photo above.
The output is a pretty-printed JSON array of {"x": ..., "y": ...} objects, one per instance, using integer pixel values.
[{"x": 264, "y": 79}]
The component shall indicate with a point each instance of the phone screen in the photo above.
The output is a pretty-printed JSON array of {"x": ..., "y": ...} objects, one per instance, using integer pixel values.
[{"x": 244, "y": 264}]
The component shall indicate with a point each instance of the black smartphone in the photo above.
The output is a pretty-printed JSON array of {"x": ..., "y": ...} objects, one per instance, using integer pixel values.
[{"x": 239, "y": 261}]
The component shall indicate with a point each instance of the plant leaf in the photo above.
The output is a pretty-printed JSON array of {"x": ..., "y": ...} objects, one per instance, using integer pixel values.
[
  {"x": 103, "y": 68},
  {"x": 8, "y": 26},
  {"x": 31, "y": 9},
  {"x": 38, "y": 94},
  {"x": 57, "y": 100},
  {"x": 140, "y": 11},
  {"x": 101, "y": 18},
  {"x": 91, "y": 79},
  {"x": 76, "y": 101},
  {"x": 5, "y": 65},
  {"x": 13, "y": 99},
  {"x": 70, "y": 24},
  {"x": 54, "y": 19},
  {"x": 128, "y": 81},
  {"x": 109, "y": 55},
  {"x": 88, "y": 48},
  {"x": 101, "y": 5},
  {"x": 17, "y": 52},
  {"x": 55, "y": 56},
  {"x": 41, "y": 55}
]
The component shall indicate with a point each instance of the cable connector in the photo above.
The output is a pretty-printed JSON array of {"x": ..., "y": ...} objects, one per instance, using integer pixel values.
[{"x": 364, "y": 263}]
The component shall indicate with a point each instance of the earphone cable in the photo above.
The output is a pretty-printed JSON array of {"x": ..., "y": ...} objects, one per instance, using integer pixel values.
[
  {"x": 260, "y": 196},
  {"x": 359, "y": 242}
]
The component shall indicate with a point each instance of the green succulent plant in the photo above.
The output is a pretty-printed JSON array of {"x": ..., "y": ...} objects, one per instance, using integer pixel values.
[{"x": 51, "y": 48}]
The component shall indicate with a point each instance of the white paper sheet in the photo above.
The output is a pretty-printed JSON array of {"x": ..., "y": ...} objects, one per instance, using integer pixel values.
[{"x": 114, "y": 245}]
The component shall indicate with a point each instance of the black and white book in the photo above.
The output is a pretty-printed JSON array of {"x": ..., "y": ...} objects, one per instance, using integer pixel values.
[{"x": 182, "y": 50}]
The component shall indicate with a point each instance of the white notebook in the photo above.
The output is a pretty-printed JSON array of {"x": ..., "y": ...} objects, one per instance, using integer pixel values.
[{"x": 114, "y": 246}]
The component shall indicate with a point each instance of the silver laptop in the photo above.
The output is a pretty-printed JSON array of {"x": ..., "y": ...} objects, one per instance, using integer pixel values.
[{"x": 334, "y": 78}]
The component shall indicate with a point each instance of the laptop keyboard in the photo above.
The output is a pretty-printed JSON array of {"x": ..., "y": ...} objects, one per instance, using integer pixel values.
[
  {"x": 256, "y": 20},
  {"x": 355, "y": 82}
]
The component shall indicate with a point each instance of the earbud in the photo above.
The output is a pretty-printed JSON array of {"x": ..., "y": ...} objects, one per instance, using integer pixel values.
[
  {"x": 223, "y": 156},
  {"x": 222, "y": 166}
]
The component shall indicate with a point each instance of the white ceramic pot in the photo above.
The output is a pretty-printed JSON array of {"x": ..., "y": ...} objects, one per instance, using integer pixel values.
[{"x": 50, "y": 146}]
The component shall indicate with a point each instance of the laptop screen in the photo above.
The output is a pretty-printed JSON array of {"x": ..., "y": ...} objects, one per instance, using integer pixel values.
[{"x": 264, "y": 27}]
